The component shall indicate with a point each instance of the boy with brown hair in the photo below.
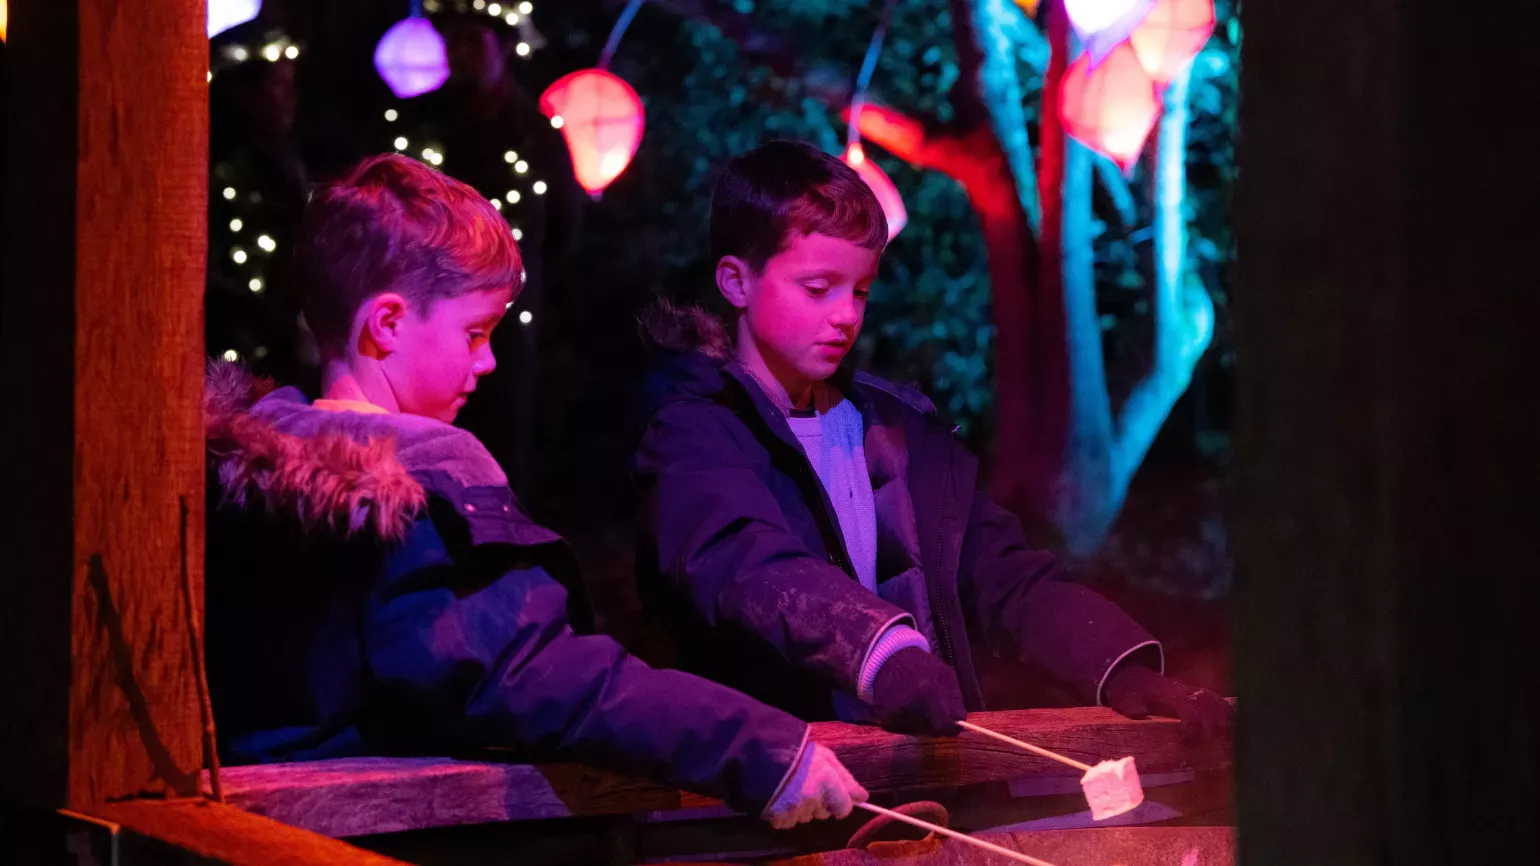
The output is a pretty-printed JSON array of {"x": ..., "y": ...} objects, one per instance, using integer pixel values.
[
  {"x": 816, "y": 536},
  {"x": 374, "y": 586}
]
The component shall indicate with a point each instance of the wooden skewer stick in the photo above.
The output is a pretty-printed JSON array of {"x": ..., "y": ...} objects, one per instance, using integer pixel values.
[
  {"x": 1036, "y": 750},
  {"x": 964, "y": 837}
]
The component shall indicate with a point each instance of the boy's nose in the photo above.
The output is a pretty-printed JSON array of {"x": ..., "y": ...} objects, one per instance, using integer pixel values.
[{"x": 485, "y": 363}]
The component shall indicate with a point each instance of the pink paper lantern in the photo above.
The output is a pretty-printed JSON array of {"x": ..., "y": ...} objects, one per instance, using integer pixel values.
[
  {"x": 411, "y": 58},
  {"x": 887, "y": 194},
  {"x": 602, "y": 119},
  {"x": 1110, "y": 106},
  {"x": 1171, "y": 36}
]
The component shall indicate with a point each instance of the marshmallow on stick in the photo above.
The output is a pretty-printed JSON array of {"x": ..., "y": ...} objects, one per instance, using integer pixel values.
[{"x": 1111, "y": 787}]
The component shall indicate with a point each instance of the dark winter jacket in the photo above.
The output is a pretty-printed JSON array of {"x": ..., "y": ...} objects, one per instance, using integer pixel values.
[
  {"x": 374, "y": 588},
  {"x": 741, "y": 554}
]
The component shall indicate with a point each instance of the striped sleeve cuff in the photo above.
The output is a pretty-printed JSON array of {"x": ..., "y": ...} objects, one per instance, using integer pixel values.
[
  {"x": 897, "y": 636},
  {"x": 1159, "y": 649}
]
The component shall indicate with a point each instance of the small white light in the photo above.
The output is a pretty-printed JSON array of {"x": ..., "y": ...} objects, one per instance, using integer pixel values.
[
  {"x": 497, "y": 203},
  {"x": 239, "y": 255},
  {"x": 436, "y": 158},
  {"x": 512, "y": 18},
  {"x": 239, "y": 53},
  {"x": 291, "y": 52},
  {"x": 255, "y": 285},
  {"x": 494, "y": 10},
  {"x": 480, "y": 5},
  {"x": 526, "y": 317},
  {"x": 272, "y": 53},
  {"x": 513, "y": 196},
  {"x": 556, "y": 121},
  {"x": 401, "y": 143},
  {"x": 391, "y": 115},
  {"x": 522, "y": 49},
  {"x": 539, "y": 187},
  {"x": 427, "y": 153},
  {"x": 511, "y": 157},
  {"x": 521, "y": 166},
  {"x": 211, "y": 76},
  {"x": 229, "y": 193},
  {"x": 231, "y": 355},
  {"x": 235, "y": 225},
  {"x": 266, "y": 243},
  {"x": 525, "y": 8},
  {"x": 508, "y": 306},
  {"x": 518, "y": 235}
]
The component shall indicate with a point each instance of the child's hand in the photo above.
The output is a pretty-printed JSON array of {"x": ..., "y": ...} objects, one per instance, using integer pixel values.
[
  {"x": 1137, "y": 691},
  {"x": 917, "y": 693},
  {"x": 819, "y": 787}
]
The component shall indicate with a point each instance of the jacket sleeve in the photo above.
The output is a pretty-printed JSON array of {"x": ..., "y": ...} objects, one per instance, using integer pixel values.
[
  {"x": 471, "y": 648},
  {"x": 1022, "y": 603},
  {"x": 721, "y": 535}
]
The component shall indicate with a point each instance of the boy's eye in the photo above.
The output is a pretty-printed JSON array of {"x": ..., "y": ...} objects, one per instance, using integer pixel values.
[
  {"x": 816, "y": 288},
  {"x": 477, "y": 338}
]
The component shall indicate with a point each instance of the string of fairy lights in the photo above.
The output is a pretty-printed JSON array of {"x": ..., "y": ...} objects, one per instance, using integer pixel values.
[{"x": 251, "y": 246}]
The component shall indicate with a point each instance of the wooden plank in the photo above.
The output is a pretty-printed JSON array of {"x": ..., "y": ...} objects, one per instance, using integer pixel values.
[
  {"x": 105, "y": 220},
  {"x": 1127, "y": 846},
  {"x": 362, "y": 796},
  {"x": 225, "y": 834}
]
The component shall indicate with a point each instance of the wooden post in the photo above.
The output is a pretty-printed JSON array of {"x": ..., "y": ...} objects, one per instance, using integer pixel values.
[
  {"x": 1386, "y": 311},
  {"x": 101, "y": 345}
]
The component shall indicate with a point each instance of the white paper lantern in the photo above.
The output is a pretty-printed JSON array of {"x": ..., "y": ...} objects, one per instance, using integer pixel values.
[{"x": 224, "y": 14}]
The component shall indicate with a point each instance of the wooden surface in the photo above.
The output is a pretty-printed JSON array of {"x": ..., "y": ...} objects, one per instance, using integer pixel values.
[
  {"x": 1387, "y": 316},
  {"x": 362, "y": 796},
  {"x": 102, "y": 334},
  {"x": 1126, "y": 846},
  {"x": 224, "y": 834}
]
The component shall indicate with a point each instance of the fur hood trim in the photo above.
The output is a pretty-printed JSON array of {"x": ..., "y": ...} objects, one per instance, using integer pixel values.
[
  {"x": 686, "y": 328},
  {"x": 331, "y": 482}
]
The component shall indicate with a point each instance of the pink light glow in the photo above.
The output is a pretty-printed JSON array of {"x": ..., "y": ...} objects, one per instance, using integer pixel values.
[
  {"x": 1171, "y": 36},
  {"x": 1110, "y": 107},
  {"x": 887, "y": 194},
  {"x": 602, "y": 121},
  {"x": 411, "y": 58}
]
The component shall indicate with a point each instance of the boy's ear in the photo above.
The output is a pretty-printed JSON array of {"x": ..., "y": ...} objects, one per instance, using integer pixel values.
[
  {"x": 733, "y": 280},
  {"x": 383, "y": 316}
]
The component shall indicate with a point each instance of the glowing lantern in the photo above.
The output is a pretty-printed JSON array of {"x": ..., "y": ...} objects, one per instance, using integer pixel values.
[
  {"x": 4, "y": 16},
  {"x": 1171, "y": 36},
  {"x": 886, "y": 192},
  {"x": 1110, "y": 106},
  {"x": 224, "y": 14},
  {"x": 600, "y": 116},
  {"x": 411, "y": 58}
]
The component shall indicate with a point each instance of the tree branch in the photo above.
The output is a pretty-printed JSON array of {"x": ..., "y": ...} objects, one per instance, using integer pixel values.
[{"x": 1183, "y": 310}]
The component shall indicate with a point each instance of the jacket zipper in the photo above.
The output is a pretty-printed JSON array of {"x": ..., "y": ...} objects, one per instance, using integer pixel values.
[{"x": 937, "y": 611}]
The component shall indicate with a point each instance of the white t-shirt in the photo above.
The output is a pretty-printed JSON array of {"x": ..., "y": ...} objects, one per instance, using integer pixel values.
[{"x": 833, "y": 438}]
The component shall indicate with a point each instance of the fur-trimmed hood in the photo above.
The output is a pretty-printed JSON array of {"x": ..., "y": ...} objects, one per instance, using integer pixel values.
[{"x": 333, "y": 481}]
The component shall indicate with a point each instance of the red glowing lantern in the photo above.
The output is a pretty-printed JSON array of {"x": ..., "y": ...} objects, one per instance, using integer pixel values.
[
  {"x": 1110, "y": 106},
  {"x": 887, "y": 194},
  {"x": 601, "y": 118},
  {"x": 1171, "y": 36}
]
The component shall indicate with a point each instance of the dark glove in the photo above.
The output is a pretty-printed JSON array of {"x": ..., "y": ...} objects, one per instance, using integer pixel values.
[
  {"x": 1137, "y": 691},
  {"x": 917, "y": 693}
]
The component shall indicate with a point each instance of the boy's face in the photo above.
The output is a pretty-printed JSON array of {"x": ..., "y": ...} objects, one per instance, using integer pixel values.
[
  {"x": 437, "y": 356},
  {"x": 804, "y": 311}
]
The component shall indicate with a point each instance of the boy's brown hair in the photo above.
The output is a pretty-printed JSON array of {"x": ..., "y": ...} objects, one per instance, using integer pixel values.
[
  {"x": 788, "y": 186},
  {"x": 394, "y": 224}
]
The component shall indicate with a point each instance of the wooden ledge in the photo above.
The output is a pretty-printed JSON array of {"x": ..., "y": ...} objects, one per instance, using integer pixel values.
[
  {"x": 225, "y": 834},
  {"x": 363, "y": 796}
]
